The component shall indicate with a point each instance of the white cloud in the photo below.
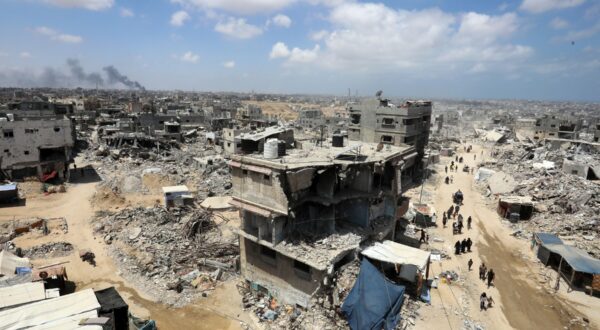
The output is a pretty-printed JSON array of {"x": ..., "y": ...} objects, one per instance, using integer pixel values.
[
  {"x": 25, "y": 54},
  {"x": 281, "y": 21},
  {"x": 189, "y": 57},
  {"x": 85, "y": 4},
  {"x": 126, "y": 12},
  {"x": 238, "y": 28},
  {"x": 229, "y": 64},
  {"x": 179, "y": 18},
  {"x": 242, "y": 7},
  {"x": 57, "y": 36},
  {"x": 558, "y": 23},
  {"x": 296, "y": 55},
  {"x": 540, "y": 6},
  {"x": 375, "y": 37},
  {"x": 279, "y": 50}
]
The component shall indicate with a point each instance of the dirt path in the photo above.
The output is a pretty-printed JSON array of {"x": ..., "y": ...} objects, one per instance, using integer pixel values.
[
  {"x": 520, "y": 303},
  {"x": 219, "y": 311}
]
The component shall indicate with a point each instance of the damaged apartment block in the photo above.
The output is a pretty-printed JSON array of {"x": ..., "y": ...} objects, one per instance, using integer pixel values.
[
  {"x": 35, "y": 146},
  {"x": 305, "y": 214}
]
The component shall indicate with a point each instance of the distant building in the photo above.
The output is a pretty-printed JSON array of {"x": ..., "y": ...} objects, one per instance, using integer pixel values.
[
  {"x": 378, "y": 120},
  {"x": 557, "y": 128},
  {"x": 310, "y": 118}
]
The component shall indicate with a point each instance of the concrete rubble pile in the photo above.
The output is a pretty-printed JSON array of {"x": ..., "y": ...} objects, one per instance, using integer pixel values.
[
  {"x": 176, "y": 166},
  {"x": 49, "y": 250},
  {"x": 176, "y": 254},
  {"x": 565, "y": 204},
  {"x": 325, "y": 309}
]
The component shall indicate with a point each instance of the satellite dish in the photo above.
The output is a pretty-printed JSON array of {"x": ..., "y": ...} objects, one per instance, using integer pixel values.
[{"x": 378, "y": 94}]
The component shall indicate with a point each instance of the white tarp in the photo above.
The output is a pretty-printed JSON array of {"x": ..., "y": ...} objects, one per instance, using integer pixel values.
[
  {"x": 483, "y": 174},
  {"x": 9, "y": 262},
  {"x": 396, "y": 253},
  {"x": 544, "y": 164},
  {"x": 501, "y": 183},
  {"x": 47, "y": 311},
  {"x": 70, "y": 323},
  {"x": 21, "y": 294}
]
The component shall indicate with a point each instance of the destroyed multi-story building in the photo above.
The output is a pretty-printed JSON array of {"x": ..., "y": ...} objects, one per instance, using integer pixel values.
[
  {"x": 310, "y": 118},
  {"x": 35, "y": 146},
  {"x": 557, "y": 127},
  {"x": 246, "y": 141},
  {"x": 304, "y": 214},
  {"x": 380, "y": 121}
]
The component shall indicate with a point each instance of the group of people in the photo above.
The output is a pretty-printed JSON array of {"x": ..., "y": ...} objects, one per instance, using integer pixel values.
[
  {"x": 463, "y": 246},
  {"x": 485, "y": 301},
  {"x": 485, "y": 274},
  {"x": 453, "y": 167}
]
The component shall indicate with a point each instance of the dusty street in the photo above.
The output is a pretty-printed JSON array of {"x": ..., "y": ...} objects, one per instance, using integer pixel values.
[
  {"x": 520, "y": 301},
  {"x": 216, "y": 312}
]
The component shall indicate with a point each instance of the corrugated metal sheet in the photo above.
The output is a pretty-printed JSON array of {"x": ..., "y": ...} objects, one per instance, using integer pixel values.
[
  {"x": 21, "y": 294},
  {"x": 395, "y": 253}
]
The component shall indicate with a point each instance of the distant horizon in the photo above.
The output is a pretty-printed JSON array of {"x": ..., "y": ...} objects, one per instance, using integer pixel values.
[{"x": 595, "y": 102}]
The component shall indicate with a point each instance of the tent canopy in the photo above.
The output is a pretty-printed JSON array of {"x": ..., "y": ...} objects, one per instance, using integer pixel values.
[
  {"x": 578, "y": 259},
  {"x": 374, "y": 302},
  {"x": 395, "y": 253},
  {"x": 9, "y": 263}
]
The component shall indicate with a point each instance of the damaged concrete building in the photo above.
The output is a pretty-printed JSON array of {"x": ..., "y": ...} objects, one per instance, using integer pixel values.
[
  {"x": 556, "y": 127},
  {"x": 35, "y": 146},
  {"x": 306, "y": 213},
  {"x": 378, "y": 120}
]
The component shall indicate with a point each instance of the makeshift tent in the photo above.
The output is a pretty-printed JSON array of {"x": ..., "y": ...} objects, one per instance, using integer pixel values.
[
  {"x": 21, "y": 294},
  {"x": 374, "y": 302},
  {"x": 113, "y": 307},
  {"x": 9, "y": 263},
  {"x": 42, "y": 314},
  {"x": 515, "y": 207},
  {"x": 577, "y": 267},
  {"x": 412, "y": 260}
]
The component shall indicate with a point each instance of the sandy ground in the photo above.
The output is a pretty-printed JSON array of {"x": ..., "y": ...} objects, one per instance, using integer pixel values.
[
  {"x": 221, "y": 310},
  {"x": 521, "y": 301}
]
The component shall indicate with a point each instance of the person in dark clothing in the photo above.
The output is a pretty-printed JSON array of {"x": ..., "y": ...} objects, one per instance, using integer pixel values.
[
  {"x": 446, "y": 169},
  {"x": 482, "y": 270},
  {"x": 444, "y": 220},
  {"x": 469, "y": 244},
  {"x": 422, "y": 239},
  {"x": 460, "y": 227},
  {"x": 469, "y": 220},
  {"x": 456, "y": 209},
  {"x": 470, "y": 264},
  {"x": 463, "y": 246},
  {"x": 457, "y": 247},
  {"x": 490, "y": 277}
]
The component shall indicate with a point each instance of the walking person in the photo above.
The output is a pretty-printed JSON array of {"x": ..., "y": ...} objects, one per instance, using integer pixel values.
[
  {"x": 460, "y": 227},
  {"x": 457, "y": 248},
  {"x": 469, "y": 220},
  {"x": 444, "y": 220},
  {"x": 483, "y": 271},
  {"x": 446, "y": 168},
  {"x": 490, "y": 277},
  {"x": 452, "y": 179},
  {"x": 474, "y": 156},
  {"x": 483, "y": 302},
  {"x": 463, "y": 246},
  {"x": 470, "y": 264},
  {"x": 422, "y": 239},
  {"x": 469, "y": 244},
  {"x": 490, "y": 301}
]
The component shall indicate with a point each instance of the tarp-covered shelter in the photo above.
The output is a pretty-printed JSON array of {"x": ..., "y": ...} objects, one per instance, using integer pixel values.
[
  {"x": 374, "y": 302},
  {"x": 410, "y": 261},
  {"x": 64, "y": 312},
  {"x": 515, "y": 207},
  {"x": 9, "y": 263},
  {"x": 577, "y": 267},
  {"x": 19, "y": 294}
]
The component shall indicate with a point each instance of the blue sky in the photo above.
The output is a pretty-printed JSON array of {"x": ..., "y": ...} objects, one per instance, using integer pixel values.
[{"x": 526, "y": 49}]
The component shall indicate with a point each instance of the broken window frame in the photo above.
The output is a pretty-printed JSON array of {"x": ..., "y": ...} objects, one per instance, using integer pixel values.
[{"x": 302, "y": 270}]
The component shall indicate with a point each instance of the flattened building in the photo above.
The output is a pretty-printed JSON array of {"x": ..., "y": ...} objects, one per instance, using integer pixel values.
[{"x": 305, "y": 214}]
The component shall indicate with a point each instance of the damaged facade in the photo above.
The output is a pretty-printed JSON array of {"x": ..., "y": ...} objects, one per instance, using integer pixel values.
[
  {"x": 35, "y": 146},
  {"x": 305, "y": 214},
  {"x": 378, "y": 120}
]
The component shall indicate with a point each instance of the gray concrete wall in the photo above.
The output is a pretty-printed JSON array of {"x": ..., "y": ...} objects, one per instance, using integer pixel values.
[{"x": 258, "y": 189}]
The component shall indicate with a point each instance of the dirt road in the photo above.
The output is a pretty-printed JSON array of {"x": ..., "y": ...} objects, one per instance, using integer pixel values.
[
  {"x": 520, "y": 302},
  {"x": 216, "y": 312}
]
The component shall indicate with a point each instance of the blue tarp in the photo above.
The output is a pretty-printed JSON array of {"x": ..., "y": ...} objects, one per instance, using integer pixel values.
[
  {"x": 548, "y": 238},
  {"x": 578, "y": 259},
  {"x": 374, "y": 302}
]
